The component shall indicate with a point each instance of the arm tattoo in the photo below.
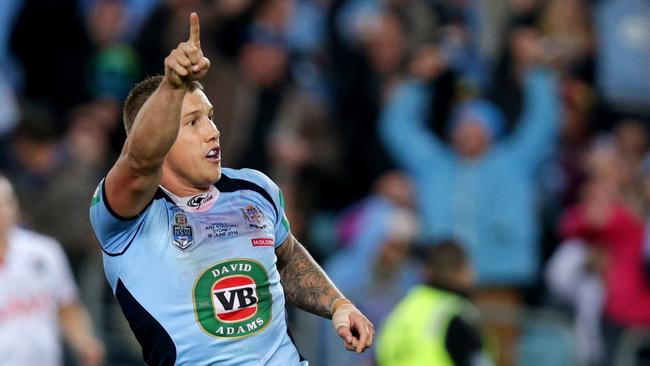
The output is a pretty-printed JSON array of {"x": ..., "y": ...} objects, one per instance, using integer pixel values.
[{"x": 305, "y": 284}]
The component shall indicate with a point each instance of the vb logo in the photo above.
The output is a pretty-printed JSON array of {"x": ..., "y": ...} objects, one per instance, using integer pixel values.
[
  {"x": 232, "y": 299},
  {"x": 235, "y": 298}
]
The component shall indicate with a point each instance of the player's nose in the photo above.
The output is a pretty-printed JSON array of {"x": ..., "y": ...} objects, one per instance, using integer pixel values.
[{"x": 210, "y": 131}]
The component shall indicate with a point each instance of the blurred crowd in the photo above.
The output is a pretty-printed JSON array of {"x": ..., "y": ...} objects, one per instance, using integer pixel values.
[{"x": 518, "y": 128}]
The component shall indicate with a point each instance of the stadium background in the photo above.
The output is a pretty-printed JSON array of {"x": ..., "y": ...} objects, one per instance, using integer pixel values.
[{"x": 298, "y": 88}]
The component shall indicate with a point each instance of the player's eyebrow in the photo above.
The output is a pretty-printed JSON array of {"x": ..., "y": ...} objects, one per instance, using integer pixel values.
[{"x": 194, "y": 111}]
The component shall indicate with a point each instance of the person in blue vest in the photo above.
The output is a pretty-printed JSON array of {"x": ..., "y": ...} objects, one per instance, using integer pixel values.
[
  {"x": 435, "y": 324},
  {"x": 201, "y": 258}
]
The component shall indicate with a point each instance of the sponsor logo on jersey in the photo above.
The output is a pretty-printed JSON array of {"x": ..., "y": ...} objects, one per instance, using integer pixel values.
[
  {"x": 263, "y": 242},
  {"x": 253, "y": 217},
  {"x": 200, "y": 199},
  {"x": 182, "y": 232},
  {"x": 235, "y": 298},
  {"x": 232, "y": 299}
]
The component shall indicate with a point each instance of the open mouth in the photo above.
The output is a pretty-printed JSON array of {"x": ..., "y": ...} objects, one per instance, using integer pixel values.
[{"x": 214, "y": 155}]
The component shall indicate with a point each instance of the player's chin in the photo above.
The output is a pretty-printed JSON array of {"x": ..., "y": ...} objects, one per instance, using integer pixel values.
[
  {"x": 209, "y": 173},
  {"x": 215, "y": 173}
]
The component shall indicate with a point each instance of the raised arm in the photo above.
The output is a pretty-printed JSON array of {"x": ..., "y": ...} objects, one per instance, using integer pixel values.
[
  {"x": 308, "y": 287},
  {"x": 403, "y": 129},
  {"x": 133, "y": 180},
  {"x": 534, "y": 137}
]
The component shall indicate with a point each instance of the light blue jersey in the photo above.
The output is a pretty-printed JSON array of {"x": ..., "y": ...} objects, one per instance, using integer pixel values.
[{"x": 200, "y": 286}]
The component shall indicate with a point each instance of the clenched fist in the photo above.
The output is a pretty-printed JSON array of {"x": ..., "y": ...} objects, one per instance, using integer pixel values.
[{"x": 186, "y": 62}]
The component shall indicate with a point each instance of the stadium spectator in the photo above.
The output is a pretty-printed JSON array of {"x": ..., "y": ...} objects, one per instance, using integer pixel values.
[
  {"x": 478, "y": 174},
  {"x": 574, "y": 278},
  {"x": 38, "y": 297},
  {"x": 606, "y": 220},
  {"x": 578, "y": 270},
  {"x": 393, "y": 188},
  {"x": 50, "y": 170},
  {"x": 382, "y": 274},
  {"x": 114, "y": 66},
  {"x": 436, "y": 323}
]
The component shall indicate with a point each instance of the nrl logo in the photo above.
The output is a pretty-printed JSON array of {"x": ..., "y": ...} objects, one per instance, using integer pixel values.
[
  {"x": 253, "y": 217},
  {"x": 182, "y": 232}
]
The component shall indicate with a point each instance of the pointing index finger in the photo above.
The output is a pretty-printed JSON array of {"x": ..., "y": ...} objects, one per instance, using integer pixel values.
[{"x": 195, "y": 30}]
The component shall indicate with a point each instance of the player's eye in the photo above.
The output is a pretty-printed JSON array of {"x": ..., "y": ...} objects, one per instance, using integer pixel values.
[{"x": 193, "y": 122}]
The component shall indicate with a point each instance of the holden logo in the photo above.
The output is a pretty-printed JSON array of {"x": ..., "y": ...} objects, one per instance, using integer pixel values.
[{"x": 232, "y": 299}]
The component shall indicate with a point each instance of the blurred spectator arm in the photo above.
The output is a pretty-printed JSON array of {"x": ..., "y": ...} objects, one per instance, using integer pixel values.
[
  {"x": 533, "y": 139},
  {"x": 74, "y": 321},
  {"x": 403, "y": 129},
  {"x": 78, "y": 332}
]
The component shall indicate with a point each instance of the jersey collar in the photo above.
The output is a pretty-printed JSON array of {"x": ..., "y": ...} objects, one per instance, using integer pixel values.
[{"x": 195, "y": 203}]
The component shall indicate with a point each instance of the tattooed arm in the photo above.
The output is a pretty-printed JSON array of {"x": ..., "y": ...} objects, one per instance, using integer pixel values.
[{"x": 307, "y": 286}]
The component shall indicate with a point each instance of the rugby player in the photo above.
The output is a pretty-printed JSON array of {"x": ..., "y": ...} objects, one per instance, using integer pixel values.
[{"x": 200, "y": 257}]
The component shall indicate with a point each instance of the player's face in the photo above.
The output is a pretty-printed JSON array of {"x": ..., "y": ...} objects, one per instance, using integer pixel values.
[
  {"x": 195, "y": 157},
  {"x": 8, "y": 207}
]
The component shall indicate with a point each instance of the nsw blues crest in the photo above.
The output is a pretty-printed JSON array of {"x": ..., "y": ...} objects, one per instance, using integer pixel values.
[{"x": 182, "y": 232}]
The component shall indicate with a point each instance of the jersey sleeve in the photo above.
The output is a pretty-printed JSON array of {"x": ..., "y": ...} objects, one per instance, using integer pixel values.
[
  {"x": 113, "y": 232},
  {"x": 282, "y": 227}
]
